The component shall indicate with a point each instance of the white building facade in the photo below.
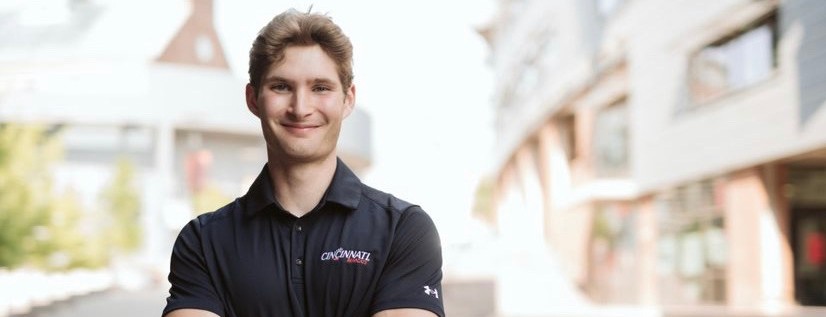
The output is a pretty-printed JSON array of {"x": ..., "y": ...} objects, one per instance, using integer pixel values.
[{"x": 666, "y": 153}]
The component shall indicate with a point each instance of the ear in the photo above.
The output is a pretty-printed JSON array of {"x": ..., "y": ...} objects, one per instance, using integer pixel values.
[
  {"x": 349, "y": 100},
  {"x": 252, "y": 100}
]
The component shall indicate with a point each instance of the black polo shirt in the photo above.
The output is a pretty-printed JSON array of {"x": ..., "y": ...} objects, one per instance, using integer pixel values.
[{"x": 360, "y": 251}]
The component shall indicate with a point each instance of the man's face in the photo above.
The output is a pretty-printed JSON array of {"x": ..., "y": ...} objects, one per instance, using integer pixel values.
[{"x": 301, "y": 105}]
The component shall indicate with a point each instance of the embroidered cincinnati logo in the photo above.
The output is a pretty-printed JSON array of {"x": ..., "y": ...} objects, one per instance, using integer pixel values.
[{"x": 349, "y": 256}]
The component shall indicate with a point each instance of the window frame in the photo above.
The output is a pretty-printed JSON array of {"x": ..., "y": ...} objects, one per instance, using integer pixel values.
[
  {"x": 770, "y": 19},
  {"x": 602, "y": 169}
]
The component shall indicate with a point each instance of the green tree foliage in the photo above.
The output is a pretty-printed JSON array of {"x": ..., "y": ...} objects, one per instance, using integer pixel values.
[
  {"x": 483, "y": 200},
  {"x": 25, "y": 191},
  {"x": 208, "y": 199},
  {"x": 38, "y": 227},
  {"x": 122, "y": 205},
  {"x": 68, "y": 240}
]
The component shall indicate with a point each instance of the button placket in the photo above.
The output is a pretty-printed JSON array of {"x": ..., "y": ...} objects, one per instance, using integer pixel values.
[
  {"x": 298, "y": 229},
  {"x": 298, "y": 246}
]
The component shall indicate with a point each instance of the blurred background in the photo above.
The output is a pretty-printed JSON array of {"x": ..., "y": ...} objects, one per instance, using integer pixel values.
[{"x": 579, "y": 157}]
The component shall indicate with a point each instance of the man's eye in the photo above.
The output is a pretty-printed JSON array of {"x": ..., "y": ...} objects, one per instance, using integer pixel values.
[
  {"x": 321, "y": 88},
  {"x": 280, "y": 87}
]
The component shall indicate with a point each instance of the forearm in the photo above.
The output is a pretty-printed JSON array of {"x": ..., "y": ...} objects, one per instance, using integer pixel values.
[
  {"x": 405, "y": 312},
  {"x": 195, "y": 313}
]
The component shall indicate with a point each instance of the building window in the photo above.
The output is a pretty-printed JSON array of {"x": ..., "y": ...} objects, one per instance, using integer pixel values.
[
  {"x": 567, "y": 135},
  {"x": 540, "y": 56},
  {"x": 530, "y": 72},
  {"x": 611, "y": 140},
  {"x": 734, "y": 62},
  {"x": 613, "y": 274},
  {"x": 692, "y": 247}
]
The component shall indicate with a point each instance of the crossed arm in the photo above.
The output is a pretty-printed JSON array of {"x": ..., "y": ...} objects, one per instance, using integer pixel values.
[
  {"x": 418, "y": 243},
  {"x": 403, "y": 312}
]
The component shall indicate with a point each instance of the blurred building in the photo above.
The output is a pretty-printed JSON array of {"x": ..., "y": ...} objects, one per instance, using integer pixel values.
[
  {"x": 665, "y": 153},
  {"x": 147, "y": 81}
]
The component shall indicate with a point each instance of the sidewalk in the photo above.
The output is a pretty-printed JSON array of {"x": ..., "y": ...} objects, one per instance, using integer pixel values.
[
  {"x": 23, "y": 289},
  {"x": 113, "y": 302},
  {"x": 712, "y": 311},
  {"x": 476, "y": 297}
]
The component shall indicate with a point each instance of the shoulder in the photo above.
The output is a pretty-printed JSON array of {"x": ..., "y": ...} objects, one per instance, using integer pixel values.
[
  {"x": 405, "y": 215},
  {"x": 213, "y": 219},
  {"x": 387, "y": 201}
]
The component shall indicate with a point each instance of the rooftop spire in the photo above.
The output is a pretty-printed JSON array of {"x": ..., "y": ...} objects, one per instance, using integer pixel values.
[{"x": 196, "y": 42}]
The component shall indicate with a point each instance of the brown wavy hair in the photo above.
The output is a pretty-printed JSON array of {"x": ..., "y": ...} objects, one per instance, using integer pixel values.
[{"x": 294, "y": 28}]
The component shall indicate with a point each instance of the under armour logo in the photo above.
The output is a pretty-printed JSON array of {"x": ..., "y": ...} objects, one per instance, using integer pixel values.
[{"x": 431, "y": 291}]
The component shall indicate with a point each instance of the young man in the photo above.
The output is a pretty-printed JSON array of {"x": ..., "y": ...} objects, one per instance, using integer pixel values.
[{"x": 308, "y": 238}]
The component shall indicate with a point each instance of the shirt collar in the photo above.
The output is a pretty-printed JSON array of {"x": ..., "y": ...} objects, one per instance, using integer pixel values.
[{"x": 345, "y": 190}]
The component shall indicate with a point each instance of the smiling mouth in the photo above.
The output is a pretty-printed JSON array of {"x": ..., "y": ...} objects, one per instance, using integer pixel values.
[{"x": 298, "y": 128}]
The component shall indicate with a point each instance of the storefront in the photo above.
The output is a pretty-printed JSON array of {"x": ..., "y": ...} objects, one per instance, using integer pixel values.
[{"x": 806, "y": 190}]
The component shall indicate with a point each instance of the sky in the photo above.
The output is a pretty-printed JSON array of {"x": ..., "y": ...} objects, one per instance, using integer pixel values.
[{"x": 421, "y": 74}]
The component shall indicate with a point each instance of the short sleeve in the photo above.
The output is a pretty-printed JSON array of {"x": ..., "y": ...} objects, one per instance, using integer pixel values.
[
  {"x": 192, "y": 286},
  {"x": 412, "y": 277}
]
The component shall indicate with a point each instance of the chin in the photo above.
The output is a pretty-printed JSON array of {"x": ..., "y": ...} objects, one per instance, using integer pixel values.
[
  {"x": 305, "y": 157},
  {"x": 303, "y": 152}
]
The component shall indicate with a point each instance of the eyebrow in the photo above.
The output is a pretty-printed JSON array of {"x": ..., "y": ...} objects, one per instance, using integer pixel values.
[{"x": 273, "y": 79}]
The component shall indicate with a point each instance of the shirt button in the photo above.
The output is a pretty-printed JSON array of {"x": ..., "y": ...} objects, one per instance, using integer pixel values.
[
  {"x": 299, "y": 261},
  {"x": 298, "y": 228}
]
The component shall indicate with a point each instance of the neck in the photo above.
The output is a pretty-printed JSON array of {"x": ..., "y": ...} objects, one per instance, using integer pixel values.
[{"x": 300, "y": 186}]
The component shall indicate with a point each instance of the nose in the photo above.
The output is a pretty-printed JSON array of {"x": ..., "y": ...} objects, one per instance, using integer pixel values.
[{"x": 301, "y": 105}]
